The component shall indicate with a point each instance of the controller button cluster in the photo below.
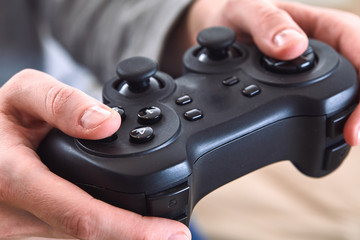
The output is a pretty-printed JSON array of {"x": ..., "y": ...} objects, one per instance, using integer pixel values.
[
  {"x": 193, "y": 114},
  {"x": 230, "y": 81},
  {"x": 251, "y": 90},
  {"x": 141, "y": 135},
  {"x": 183, "y": 100},
  {"x": 149, "y": 115}
]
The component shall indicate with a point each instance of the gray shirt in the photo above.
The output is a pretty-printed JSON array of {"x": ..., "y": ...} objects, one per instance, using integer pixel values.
[{"x": 99, "y": 33}]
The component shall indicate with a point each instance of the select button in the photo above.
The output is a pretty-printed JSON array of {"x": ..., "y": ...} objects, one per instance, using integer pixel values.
[
  {"x": 251, "y": 90},
  {"x": 230, "y": 81},
  {"x": 193, "y": 114},
  {"x": 183, "y": 100}
]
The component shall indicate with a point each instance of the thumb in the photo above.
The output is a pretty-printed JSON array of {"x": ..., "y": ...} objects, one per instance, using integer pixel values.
[
  {"x": 39, "y": 95},
  {"x": 272, "y": 29}
]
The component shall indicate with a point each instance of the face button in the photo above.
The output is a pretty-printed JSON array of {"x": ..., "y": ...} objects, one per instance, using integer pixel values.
[
  {"x": 183, "y": 100},
  {"x": 193, "y": 114},
  {"x": 121, "y": 111},
  {"x": 141, "y": 135},
  {"x": 251, "y": 90},
  {"x": 149, "y": 115},
  {"x": 230, "y": 81}
]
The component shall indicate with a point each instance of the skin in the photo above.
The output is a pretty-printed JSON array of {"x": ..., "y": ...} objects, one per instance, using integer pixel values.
[{"x": 36, "y": 202}]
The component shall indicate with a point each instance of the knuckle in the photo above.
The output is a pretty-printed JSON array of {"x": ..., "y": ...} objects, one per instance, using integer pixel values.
[
  {"x": 25, "y": 73},
  {"x": 82, "y": 226},
  {"x": 57, "y": 98},
  {"x": 16, "y": 81},
  {"x": 23, "y": 76},
  {"x": 267, "y": 15},
  {"x": 230, "y": 7},
  {"x": 230, "y": 4}
]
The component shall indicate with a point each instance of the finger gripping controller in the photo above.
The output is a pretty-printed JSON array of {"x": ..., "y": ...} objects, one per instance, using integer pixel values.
[{"x": 232, "y": 112}]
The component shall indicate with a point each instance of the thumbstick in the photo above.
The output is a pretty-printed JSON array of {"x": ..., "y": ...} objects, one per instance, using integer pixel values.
[
  {"x": 217, "y": 41},
  {"x": 136, "y": 72},
  {"x": 298, "y": 65}
]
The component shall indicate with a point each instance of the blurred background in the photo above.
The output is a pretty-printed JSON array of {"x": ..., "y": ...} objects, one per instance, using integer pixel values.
[
  {"x": 278, "y": 202},
  {"x": 349, "y": 5}
]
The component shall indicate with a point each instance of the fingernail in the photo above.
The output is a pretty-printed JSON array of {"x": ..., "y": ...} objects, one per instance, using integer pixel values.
[
  {"x": 94, "y": 116},
  {"x": 286, "y": 36},
  {"x": 181, "y": 236}
]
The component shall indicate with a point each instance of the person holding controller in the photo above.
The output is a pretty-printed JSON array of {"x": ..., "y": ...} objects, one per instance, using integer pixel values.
[{"x": 36, "y": 202}]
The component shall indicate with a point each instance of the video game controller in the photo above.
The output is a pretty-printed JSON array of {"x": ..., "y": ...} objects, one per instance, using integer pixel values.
[{"x": 232, "y": 112}]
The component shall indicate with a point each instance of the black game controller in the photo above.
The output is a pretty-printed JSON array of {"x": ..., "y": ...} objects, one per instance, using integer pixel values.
[{"x": 232, "y": 112}]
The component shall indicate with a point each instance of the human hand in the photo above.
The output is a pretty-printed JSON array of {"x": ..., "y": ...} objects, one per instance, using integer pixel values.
[
  {"x": 36, "y": 202},
  {"x": 281, "y": 30}
]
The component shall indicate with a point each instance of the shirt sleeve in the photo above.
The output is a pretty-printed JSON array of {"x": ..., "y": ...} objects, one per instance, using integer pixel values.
[{"x": 99, "y": 33}]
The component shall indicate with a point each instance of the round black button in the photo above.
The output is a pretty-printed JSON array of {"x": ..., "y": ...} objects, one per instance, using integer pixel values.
[
  {"x": 141, "y": 135},
  {"x": 149, "y": 115}
]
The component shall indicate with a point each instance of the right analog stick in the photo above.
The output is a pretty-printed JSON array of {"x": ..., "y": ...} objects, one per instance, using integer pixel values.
[{"x": 298, "y": 65}]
